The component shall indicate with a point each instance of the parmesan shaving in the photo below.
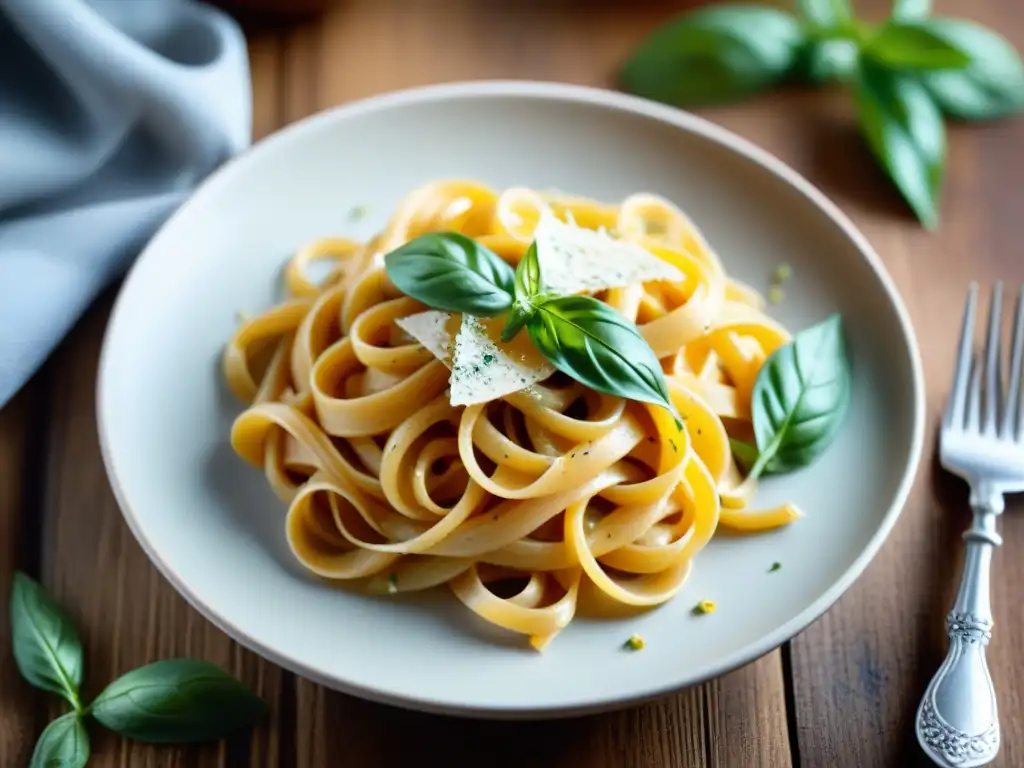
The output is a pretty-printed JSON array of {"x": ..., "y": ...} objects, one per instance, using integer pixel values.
[
  {"x": 577, "y": 260},
  {"x": 483, "y": 368},
  {"x": 431, "y": 330}
]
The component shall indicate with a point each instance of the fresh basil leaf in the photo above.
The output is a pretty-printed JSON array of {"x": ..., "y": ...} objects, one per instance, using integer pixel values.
[
  {"x": 800, "y": 398},
  {"x": 589, "y": 341},
  {"x": 527, "y": 280},
  {"x": 714, "y": 55},
  {"x": 991, "y": 86},
  {"x": 745, "y": 453},
  {"x": 179, "y": 701},
  {"x": 64, "y": 744},
  {"x": 828, "y": 59},
  {"x": 904, "y": 129},
  {"x": 452, "y": 272},
  {"x": 45, "y": 643},
  {"x": 517, "y": 318},
  {"x": 905, "y": 10},
  {"x": 826, "y": 14},
  {"x": 914, "y": 46}
]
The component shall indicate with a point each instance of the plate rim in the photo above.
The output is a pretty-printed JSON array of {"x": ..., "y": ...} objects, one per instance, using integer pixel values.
[{"x": 559, "y": 92}]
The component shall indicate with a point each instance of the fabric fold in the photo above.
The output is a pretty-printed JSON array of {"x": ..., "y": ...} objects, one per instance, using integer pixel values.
[{"x": 111, "y": 112}]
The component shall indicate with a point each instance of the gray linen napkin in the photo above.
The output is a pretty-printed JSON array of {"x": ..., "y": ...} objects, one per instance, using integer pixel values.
[{"x": 111, "y": 111}]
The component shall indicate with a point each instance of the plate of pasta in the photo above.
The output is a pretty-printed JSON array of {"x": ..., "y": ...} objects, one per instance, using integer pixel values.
[{"x": 509, "y": 400}]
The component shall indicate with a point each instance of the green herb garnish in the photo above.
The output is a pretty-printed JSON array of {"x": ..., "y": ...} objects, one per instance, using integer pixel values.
[
  {"x": 392, "y": 583},
  {"x": 588, "y": 340},
  {"x": 178, "y": 700},
  {"x": 904, "y": 129},
  {"x": 634, "y": 643},
  {"x": 449, "y": 271},
  {"x": 704, "y": 606},
  {"x": 580, "y": 336},
  {"x": 775, "y": 567},
  {"x": 64, "y": 743},
  {"x": 800, "y": 399},
  {"x": 904, "y": 73}
]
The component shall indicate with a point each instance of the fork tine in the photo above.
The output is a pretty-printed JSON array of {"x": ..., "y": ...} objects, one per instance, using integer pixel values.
[
  {"x": 993, "y": 356},
  {"x": 961, "y": 375},
  {"x": 973, "y": 420},
  {"x": 1014, "y": 408}
]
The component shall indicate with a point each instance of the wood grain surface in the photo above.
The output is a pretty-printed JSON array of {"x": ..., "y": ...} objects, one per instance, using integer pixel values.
[{"x": 843, "y": 693}]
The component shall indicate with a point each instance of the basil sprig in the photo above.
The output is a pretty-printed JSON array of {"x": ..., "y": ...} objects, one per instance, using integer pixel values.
[
  {"x": 452, "y": 272},
  {"x": 721, "y": 54},
  {"x": 800, "y": 399},
  {"x": 178, "y": 700},
  {"x": 580, "y": 336}
]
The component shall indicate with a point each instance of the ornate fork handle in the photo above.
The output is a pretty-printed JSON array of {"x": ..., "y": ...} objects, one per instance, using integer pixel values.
[{"x": 957, "y": 721}]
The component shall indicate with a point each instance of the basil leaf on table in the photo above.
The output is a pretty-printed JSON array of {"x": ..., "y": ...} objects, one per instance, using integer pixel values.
[
  {"x": 44, "y": 640},
  {"x": 800, "y": 399},
  {"x": 64, "y": 744},
  {"x": 914, "y": 46},
  {"x": 589, "y": 341},
  {"x": 904, "y": 129},
  {"x": 990, "y": 86},
  {"x": 714, "y": 55},
  {"x": 452, "y": 272},
  {"x": 828, "y": 59},
  {"x": 826, "y": 14},
  {"x": 906, "y": 10},
  {"x": 177, "y": 701}
]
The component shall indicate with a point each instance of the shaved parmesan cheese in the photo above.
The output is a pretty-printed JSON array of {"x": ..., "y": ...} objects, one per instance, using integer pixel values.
[
  {"x": 577, "y": 260},
  {"x": 484, "y": 368},
  {"x": 487, "y": 368},
  {"x": 431, "y": 330}
]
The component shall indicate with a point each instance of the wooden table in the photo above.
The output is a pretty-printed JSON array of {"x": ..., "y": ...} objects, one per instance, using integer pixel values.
[{"x": 843, "y": 693}]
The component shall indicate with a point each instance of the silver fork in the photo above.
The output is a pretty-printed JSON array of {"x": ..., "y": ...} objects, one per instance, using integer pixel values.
[{"x": 982, "y": 441}]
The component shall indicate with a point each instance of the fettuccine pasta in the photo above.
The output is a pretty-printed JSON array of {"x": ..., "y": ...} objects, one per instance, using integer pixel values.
[{"x": 524, "y": 504}]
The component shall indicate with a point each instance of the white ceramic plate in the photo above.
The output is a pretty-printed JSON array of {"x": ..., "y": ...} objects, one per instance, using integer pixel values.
[{"x": 214, "y": 529}]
